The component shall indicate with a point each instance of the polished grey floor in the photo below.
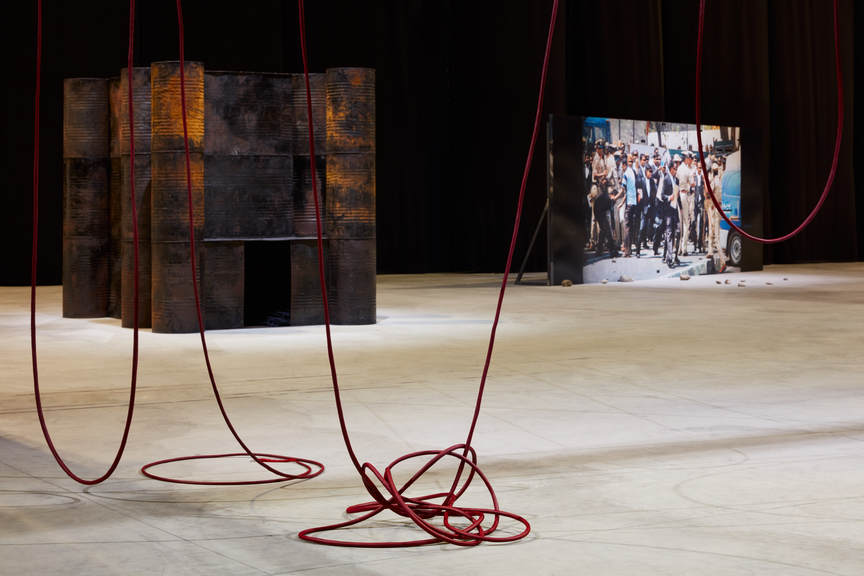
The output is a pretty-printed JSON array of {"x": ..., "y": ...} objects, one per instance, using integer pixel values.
[{"x": 663, "y": 427}]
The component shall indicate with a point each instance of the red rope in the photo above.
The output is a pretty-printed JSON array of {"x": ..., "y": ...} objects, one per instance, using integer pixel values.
[
  {"x": 33, "y": 260},
  {"x": 839, "y": 136},
  {"x": 385, "y": 492},
  {"x": 309, "y": 468}
]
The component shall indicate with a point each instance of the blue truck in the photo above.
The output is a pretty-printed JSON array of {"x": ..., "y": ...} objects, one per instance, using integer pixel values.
[{"x": 730, "y": 200}]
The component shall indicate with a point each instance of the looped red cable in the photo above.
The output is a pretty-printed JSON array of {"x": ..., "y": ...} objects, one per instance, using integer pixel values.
[
  {"x": 310, "y": 468},
  {"x": 423, "y": 509},
  {"x": 33, "y": 261},
  {"x": 838, "y": 138}
]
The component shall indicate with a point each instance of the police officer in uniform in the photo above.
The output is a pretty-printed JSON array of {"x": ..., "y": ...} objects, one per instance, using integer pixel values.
[{"x": 602, "y": 216}]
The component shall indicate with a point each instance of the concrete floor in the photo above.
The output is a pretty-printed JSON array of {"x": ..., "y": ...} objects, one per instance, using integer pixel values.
[{"x": 663, "y": 427}]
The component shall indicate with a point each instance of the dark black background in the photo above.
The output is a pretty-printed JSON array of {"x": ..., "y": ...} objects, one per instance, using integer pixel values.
[{"x": 456, "y": 88}]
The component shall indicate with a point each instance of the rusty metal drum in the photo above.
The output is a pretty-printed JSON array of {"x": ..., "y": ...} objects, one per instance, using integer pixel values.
[
  {"x": 304, "y": 198},
  {"x": 351, "y": 281},
  {"x": 223, "y": 290},
  {"x": 172, "y": 296},
  {"x": 115, "y": 247},
  {"x": 173, "y": 304},
  {"x": 86, "y": 204},
  {"x": 301, "y": 116},
  {"x": 306, "y": 303},
  {"x": 350, "y": 109},
  {"x": 350, "y": 200},
  {"x": 166, "y": 113},
  {"x": 85, "y": 118},
  {"x": 141, "y": 110},
  {"x": 143, "y": 191},
  {"x": 114, "y": 198},
  {"x": 86, "y": 237}
]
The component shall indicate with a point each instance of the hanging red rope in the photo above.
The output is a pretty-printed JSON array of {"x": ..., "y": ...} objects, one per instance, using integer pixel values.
[
  {"x": 309, "y": 468},
  {"x": 385, "y": 492},
  {"x": 837, "y": 139},
  {"x": 33, "y": 261}
]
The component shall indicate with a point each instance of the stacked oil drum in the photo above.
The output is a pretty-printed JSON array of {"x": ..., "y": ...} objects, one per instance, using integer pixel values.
[
  {"x": 141, "y": 164},
  {"x": 173, "y": 297},
  {"x": 306, "y": 304},
  {"x": 350, "y": 199},
  {"x": 86, "y": 190},
  {"x": 115, "y": 246},
  {"x": 251, "y": 177}
]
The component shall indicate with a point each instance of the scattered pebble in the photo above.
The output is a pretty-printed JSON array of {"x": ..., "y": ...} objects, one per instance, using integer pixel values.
[
  {"x": 566, "y": 283},
  {"x": 785, "y": 279},
  {"x": 604, "y": 281},
  {"x": 728, "y": 281},
  {"x": 623, "y": 278},
  {"x": 769, "y": 283},
  {"x": 685, "y": 276},
  {"x": 742, "y": 285},
  {"x": 718, "y": 282}
]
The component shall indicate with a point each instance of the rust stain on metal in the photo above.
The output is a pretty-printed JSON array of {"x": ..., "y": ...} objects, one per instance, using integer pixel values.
[
  {"x": 350, "y": 109},
  {"x": 166, "y": 113},
  {"x": 350, "y": 195}
]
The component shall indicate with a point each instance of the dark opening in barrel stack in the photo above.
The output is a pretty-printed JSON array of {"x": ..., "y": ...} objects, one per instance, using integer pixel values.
[
  {"x": 173, "y": 298},
  {"x": 86, "y": 189},
  {"x": 251, "y": 175},
  {"x": 350, "y": 200}
]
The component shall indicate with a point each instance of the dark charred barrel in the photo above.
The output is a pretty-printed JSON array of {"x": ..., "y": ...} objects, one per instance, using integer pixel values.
[
  {"x": 86, "y": 237},
  {"x": 143, "y": 192},
  {"x": 173, "y": 297},
  {"x": 351, "y": 281},
  {"x": 141, "y": 116},
  {"x": 306, "y": 304},
  {"x": 317, "y": 85},
  {"x": 86, "y": 204},
  {"x": 172, "y": 300},
  {"x": 141, "y": 101},
  {"x": 85, "y": 118},
  {"x": 222, "y": 269},
  {"x": 114, "y": 198},
  {"x": 248, "y": 114},
  {"x": 350, "y": 109},
  {"x": 350, "y": 196},
  {"x": 304, "y": 198},
  {"x": 115, "y": 247}
]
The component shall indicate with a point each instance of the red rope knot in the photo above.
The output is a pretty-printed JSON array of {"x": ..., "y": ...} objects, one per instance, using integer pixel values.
[{"x": 477, "y": 524}]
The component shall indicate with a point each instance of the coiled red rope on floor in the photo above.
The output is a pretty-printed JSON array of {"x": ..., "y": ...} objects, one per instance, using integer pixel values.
[
  {"x": 385, "y": 492},
  {"x": 309, "y": 468},
  {"x": 33, "y": 262},
  {"x": 838, "y": 138}
]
